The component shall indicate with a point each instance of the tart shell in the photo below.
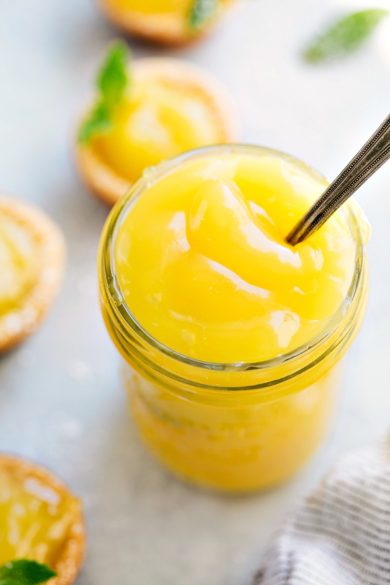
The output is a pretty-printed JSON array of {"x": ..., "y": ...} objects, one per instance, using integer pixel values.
[
  {"x": 164, "y": 29},
  {"x": 17, "y": 324},
  {"x": 108, "y": 185},
  {"x": 69, "y": 563}
]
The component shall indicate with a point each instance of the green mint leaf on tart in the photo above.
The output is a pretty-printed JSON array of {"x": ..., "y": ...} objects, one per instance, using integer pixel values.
[
  {"x": 112, "y": 83},
  {"x": 25, "y": 572},
  {"x": 97, "y": 122},
  {"x": 201, "y": 11},
  {"x": 345, "y": 36},
  {"x": 112, "y": 78}
]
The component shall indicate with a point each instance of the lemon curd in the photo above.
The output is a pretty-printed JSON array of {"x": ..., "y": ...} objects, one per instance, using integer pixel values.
[
  {"x": 161, "y": 116},
  {"x": 39, "y": 519},
  {"x": 31, "y": 268},
  {"x": 19, "y": 263},
  {"x": 169, "y": 22},
  {"x": 232, "y": 334},
  {"x": 177, "y": 7}
]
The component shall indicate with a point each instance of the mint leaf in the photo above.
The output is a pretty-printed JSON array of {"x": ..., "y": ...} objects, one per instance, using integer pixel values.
[
  {"x": 112, "y": 83},
  {"x": 98, "y": 121},
  {"x": 201, "y": 11},
  {"x": 345, "y": 36},
  {"x": 25, "y": 572},
  {"x": 112, "y": 78}
]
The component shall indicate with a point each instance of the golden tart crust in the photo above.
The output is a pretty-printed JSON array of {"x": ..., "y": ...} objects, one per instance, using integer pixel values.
[
  {"x": 165, "y": 29},
  {"x": 101, "y": 179},
  {"x": 72, "y": 556},
  {"x": 23, "y": 320}
]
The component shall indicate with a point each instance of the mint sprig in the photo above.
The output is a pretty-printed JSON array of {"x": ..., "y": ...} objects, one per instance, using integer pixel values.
[
  {"x": 112, "y": 78},
  {"x": 112, "y": 82},
  {"x": 25, "y": 572},
  {"x": 345, "y": 36},
  {"x": 97, "y": 122},
  {"x": 201, "y": 12}
]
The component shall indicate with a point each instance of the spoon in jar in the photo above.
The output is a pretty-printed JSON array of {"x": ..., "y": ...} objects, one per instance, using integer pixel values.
[{"x": 364, "y": 164}]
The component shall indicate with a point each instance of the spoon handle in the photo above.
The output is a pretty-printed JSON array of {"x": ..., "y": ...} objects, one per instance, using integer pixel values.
[{"x": 366, "y": 162}]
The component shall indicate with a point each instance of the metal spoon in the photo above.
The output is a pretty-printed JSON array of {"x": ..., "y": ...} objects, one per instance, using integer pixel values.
[{"x": 366, "y": 162}]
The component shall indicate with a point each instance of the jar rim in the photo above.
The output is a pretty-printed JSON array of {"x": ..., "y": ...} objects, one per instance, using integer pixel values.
[{"x": 108, "y": 275}]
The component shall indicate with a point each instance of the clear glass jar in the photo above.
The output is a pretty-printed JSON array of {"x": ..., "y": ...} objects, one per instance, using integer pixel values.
[{"x": 233, "y": 427}]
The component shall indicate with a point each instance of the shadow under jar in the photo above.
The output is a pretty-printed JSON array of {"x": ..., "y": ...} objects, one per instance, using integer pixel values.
[{"x": 233, "y": 426}]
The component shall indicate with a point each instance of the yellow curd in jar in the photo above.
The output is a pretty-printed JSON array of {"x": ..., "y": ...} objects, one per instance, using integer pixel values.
[{"x": 235, "y": 334}]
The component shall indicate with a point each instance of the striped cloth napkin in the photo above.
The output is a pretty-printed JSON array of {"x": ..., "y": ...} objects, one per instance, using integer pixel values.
[{"x": 341, "y": 533}]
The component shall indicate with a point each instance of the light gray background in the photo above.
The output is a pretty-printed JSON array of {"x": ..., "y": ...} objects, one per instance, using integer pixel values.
[{"x": 60, "y": 399}]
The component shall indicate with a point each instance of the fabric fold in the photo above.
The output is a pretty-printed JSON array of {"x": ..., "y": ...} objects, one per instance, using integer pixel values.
[{"x": 340, "y": 535}]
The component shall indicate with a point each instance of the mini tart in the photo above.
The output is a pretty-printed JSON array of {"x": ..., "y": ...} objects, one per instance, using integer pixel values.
[
  {"x": 106, "y": 183},
  {"x": 71, "y": 555},
  {"x": 23, "y": 319},
  {"x": 165, "y": 29}
]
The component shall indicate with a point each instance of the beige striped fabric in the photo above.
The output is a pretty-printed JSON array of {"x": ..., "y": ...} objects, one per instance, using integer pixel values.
[{"x": 341, "y": 533}]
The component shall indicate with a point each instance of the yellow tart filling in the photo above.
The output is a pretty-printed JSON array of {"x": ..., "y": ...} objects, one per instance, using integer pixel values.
[
  {"x": 19, "y": 263},
  {"x": 145, "y": 114},
  {"x": 178, "y": 8},
  {"x": 35, "y": 518},
  {"x": 156, "y": 121}
]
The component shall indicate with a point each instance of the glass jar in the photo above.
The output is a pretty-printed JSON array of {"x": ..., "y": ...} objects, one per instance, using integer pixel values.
[{"x": 234, "y": 427}]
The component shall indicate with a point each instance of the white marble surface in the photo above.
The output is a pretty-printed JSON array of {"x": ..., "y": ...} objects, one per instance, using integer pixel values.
[{"x": 60, "y": 399}]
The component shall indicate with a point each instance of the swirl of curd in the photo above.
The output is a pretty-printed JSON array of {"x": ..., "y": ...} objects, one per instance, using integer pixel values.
[{"x": 203, "y": 265}]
